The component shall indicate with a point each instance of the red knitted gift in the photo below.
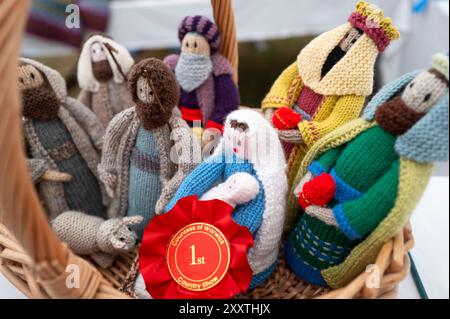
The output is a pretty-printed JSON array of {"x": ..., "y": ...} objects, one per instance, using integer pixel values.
[
  {"x": 285, "y": 118},
  {"x": 318, "y": 191}
]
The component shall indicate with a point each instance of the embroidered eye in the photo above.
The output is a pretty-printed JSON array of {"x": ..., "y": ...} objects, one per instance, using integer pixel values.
[
  {"x": 32, "y": 75},
  {"x": 21, "y": 80},
  {"x": 195, "y": 44},
  {"x": 427, "y": 97},
  {"x": 122, "y": 239},
  {"x": 187, "y": 44},
  {"x": 239, "y": 143},
  {"x": 93, "y": 51},
  {"x": 354, "y": 40},
  {"x": 411, "y": 85}
]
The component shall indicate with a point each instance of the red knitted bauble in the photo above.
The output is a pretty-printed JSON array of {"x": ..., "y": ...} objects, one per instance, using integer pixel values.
[
  {"x": 318, "y": 191},
  {"x": 285, "y": 118}
]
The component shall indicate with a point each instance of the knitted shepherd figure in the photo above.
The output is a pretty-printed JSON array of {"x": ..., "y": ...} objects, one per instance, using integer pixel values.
[
  {"x": 61, "y": 135},
  {"x": 375, "y": 169},
  {"x": 249, "y": 145},
  {"x": 139, "y": 168},
  {"x": 102, "y": 69},
  {"x": 327, "y": 85},
  {"x": 207, "y": 90}
]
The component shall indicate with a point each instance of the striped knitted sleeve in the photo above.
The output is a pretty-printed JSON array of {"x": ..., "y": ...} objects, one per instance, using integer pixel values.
[
  {"x": 200, "y": 180},
  {"x": 359, "y": 217},
  {"x": 284, "y": 91},
  {"x": 325, "y": 162},
  {"x": 347, "y": 107}
]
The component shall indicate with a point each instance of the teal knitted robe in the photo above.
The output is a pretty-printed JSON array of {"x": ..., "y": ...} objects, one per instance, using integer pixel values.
[{"x": 144, "y": 179}]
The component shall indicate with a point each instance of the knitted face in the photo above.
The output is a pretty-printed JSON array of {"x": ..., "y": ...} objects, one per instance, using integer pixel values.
[
  {"x": 100, "y": 65},
  {"x": 341, "y": 49},
  {"x": 196, "y": 44},
  {"x": 154, "y": 91},
  {"x": 237, "y": 140},
  {"x": 400, "y": 113},
  {"x": 39, "y": 100}
]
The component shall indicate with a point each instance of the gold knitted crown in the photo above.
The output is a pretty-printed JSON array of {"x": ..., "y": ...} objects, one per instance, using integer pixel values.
[{"x": 374, "y": 14}]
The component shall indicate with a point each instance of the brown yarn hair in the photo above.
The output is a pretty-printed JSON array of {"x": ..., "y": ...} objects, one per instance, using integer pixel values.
[{"x": 165, "y": 87}]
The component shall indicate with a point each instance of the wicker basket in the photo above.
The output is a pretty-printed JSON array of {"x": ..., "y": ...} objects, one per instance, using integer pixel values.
[{"x": 34, "y": 260}]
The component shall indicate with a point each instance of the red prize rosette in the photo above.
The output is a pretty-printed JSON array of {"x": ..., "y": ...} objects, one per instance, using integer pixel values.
[{"x": 195, "y": 250}]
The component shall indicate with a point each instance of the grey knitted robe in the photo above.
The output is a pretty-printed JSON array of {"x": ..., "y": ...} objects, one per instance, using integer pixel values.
[
  {"x": 86, "y": 134},
  {"x": 174, "y": 140}
]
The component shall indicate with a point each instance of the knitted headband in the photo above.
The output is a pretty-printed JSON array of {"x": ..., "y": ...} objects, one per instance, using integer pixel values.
[
  {"x": 203, "y": 26},
  {"x": 440, "y": 64},
  {"x": 371, "y": 20}
]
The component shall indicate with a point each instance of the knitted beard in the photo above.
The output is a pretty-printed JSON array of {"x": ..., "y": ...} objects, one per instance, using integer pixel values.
[
  {"x": 192, "y": 70},
  {"x": 396, "y": 117},
  {"x": 40, "y": 103},
  {"x": 152, "y": 115},
  {"x": 102, "y": 71}
]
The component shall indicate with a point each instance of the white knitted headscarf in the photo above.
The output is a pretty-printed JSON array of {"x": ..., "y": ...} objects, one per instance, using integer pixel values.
[
  {"x": 86, "y": 79},
  {"x": 266, "y": 155}
]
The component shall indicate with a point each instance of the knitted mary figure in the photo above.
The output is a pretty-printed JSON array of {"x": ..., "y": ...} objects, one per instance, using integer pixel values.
[
  {"x": 249, "y": 145},
  {"x": 327, "y": 85},
  {"x": 102, "y": 70},
  {"x": 363, "y": 180}
]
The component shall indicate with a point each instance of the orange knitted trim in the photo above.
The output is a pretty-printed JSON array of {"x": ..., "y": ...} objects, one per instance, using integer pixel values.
[
  {"x": 311, "y": 204},
  {"x": 294, "y": 90}
]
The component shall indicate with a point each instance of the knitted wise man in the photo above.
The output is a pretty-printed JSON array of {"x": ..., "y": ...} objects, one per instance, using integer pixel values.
[
  {"x": 375, "y": 171},
  {"x": 207, "y": 90},
  {"x": 102, "y": 69},
  {"x": 61, "y": 135},
  {"x": 139, "y": 168},
  {"x": 327, "y": 85},
  {"x": 249, "y": 145}
]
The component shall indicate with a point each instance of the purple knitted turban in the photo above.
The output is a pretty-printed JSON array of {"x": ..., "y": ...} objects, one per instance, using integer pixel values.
[{"x": 203, "y": 26}]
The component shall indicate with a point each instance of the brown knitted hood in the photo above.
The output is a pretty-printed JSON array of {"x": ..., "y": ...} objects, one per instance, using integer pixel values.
[
  {"x": 55, "y": 79},
  {"x": 165, "y": 87}
]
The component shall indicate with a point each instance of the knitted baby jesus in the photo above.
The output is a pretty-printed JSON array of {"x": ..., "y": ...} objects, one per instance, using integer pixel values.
[
  {"x": 239, "y": 188},
  {"x": 351, "y": 188}
]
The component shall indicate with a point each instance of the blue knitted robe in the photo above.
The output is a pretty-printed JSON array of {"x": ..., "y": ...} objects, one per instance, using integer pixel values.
[
  {"x": 144, "y": 186},
  {"x": 217, "y": 169}
]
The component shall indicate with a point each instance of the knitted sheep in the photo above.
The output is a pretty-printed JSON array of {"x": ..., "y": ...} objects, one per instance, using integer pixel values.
[{"x": 101, "y": 239}]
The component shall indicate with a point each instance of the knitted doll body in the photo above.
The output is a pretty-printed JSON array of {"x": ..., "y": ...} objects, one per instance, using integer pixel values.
[
  {"x": 326, "y": 87},
  {"x": 102, "y": 69},
  {"x": 138, "y": 168},
  {"x": 242, "y": 150},
  {"x": 61, "y": 135},
  {"x": 207, "y": 90},
  {"x": 367, "y": 172}
]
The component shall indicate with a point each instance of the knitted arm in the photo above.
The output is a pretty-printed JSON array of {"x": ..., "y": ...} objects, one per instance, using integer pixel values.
[
  {"x": 347, "y": 108},
  {"x": 87, "y": 120},
  {"x": 201, "y": 179},
  {"x": 226, "y": 101},
  {"x": 280, "y": 93},
  {"x": 359, "y": 217},
  {"x": 85, "y": 98},
  {"x": 37, "y": 168},
  {"x": 325, "y": 162},
  {"x": 187, "y": 153},
  {"x": 107, "y": 168}
]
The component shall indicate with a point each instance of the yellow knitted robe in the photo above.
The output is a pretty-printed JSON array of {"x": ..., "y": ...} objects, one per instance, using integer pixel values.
[{"x": 344, "y": 88}]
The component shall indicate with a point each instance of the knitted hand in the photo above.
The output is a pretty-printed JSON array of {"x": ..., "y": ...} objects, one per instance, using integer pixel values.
[
  {"x": 290, "y": 136},
  {"x": 322, "y": 213},
  {"x": 308, "y": 176},
  {"x": 318, "y": 191},
  {"x": 285, "y": 118},
  {"x": 164, "y": 199},
  {"x": 109, "y": 181},
  {"x": 268, "y": 114},
  {"x": 55, "y": 176},
  {"x": 239, "y": 188}
]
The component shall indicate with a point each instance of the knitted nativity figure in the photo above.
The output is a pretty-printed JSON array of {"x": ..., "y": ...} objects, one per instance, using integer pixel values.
[
  {"x": 61, "y": 135},
  {"x": 249, "y": 145},
  {"x": 207, "y": 90},
  {"x": 364, "y": 180},
  {"x": 327, "y": 86},
  {"x": 102, "y": 70},
  {"x": 141, "y": 167}
]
